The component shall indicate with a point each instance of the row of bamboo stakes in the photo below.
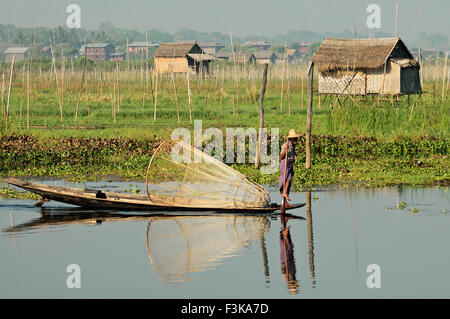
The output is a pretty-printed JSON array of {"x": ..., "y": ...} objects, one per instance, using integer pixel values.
[
  {"x": 60, "y": 80},
  {"x": 151, "y": 82}
]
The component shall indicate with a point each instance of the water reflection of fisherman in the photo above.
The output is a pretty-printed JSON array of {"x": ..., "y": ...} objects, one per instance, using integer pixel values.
[{"x": 288, "y": 269}]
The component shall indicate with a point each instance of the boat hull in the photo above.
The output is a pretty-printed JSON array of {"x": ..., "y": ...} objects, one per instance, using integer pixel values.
[{"x": 109, "y": 200}]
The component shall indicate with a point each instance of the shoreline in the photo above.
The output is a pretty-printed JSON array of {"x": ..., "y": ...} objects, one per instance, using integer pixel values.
[{"x": 337, "y": 161}]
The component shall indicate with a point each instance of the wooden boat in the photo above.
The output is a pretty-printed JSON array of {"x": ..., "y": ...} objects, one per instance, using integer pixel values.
[{"x": 92, "y": 198}]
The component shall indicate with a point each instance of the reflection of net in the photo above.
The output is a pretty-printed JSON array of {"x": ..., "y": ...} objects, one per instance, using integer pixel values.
[
  {"x": 180, "y": 246},
  {"x": 181, "y": 175}
]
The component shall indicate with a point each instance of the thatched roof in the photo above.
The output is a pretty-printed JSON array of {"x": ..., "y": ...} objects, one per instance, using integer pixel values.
[
  {"x": 143, "y": 44},
  {"x": 257, "y": 43},
  {"x": 290, "y": 53},
  {"x": 177, "y": 49},
  {"x": 224, "y": 55},
  {"x": 210, "y": 45},
  {"x": 241, "y": 57},
  {"x": 16, "y": 50},
  {"x": 201, "y": 57},
  {"x": 264, "y": 55},
  {"x": 339, "y": 54}
]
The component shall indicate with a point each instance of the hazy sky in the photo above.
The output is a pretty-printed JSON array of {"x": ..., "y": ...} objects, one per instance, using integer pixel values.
[{"x": 243, "y": 17}]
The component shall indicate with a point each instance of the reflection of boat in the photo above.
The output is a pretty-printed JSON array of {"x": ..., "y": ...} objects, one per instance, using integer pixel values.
[
  {"x": 180, "y": 246},
  {"x": 54, "y": 217},
  {"x": 177, "y": 246},
  {"x": 114, "y": 200}
]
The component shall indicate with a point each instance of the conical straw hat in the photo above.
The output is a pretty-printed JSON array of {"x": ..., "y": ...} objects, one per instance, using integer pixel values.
[{"x": 293, "y": 134}]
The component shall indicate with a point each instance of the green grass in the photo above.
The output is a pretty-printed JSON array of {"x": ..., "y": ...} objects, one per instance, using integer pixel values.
[
  {"x": 336, "y": 160},
  {"x": 212, "y": 101},
  {"x": 366, "y": 142}
]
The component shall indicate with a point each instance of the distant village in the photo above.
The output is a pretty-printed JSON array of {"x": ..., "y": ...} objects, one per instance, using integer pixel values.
[
  {"x": 258, "y": 51},
  {"x": 172, "y": 56},
  {"x": 250, "y": 51}
]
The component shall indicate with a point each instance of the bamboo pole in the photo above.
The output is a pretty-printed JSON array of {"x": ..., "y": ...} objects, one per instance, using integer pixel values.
[
  {"x": 261, "y": 113},
  {"x": 28, "y": 97},
  {"x": 20, "y": 113},
  {"x": 420, "y": 70},
  {"x": 282, "y": 78},
  {"x": 176, "y": 97},
  {"x": 207, "y": 94},
  {"x": 289, "y": 94},
  {"x": 156, "y": 96},
  {"x": 396, "y": 20},
  {"x": 9, "y": 91},
  {"x": 232, "y": 100},
  {"x": 81, "y": 84},
  {"x": 146, "y": 68},
  {"x": 189, "y": 95},
  {"x": 63, "y": 70},
  {"x": 118, "y": 85},
  {"x": 114, "y": 103},
  {"x": 444, "y": 75},
  {"x": 3, "y": 95},
  {"x": 303, "y": 95},
  {"x": 128, "y": 59},
  {"x": 309, "y": 116},
  {"x": 235, "y": 67},
  {"x": 56, "y": 80}
]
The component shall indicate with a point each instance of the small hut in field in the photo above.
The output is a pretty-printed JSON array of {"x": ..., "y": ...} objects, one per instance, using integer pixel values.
[
  {"x": 366, "y": 66},
  {"x": 241, "y": 57},
  {"x": 265, "y": 57},
  {"x": 19, "y": 53},
  {"x": 181, "y": 57},
  {"x": 291, "y": 55}
]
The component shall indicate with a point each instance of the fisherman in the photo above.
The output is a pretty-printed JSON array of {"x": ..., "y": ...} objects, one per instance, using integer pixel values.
[{"x": 287, "y": 168}]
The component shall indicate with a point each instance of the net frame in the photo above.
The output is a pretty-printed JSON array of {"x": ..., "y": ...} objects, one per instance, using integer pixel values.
[{"x": 233, "y": 189}]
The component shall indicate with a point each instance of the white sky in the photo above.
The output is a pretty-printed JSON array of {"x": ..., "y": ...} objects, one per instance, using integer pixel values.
[{"x": 243, "y": 17}]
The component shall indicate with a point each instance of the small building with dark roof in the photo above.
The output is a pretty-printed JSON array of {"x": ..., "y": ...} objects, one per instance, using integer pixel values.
[
  {"x": 118, "y": 56},
  {"x": 291, "y": 55},
  {"x": 265, "y": 57},
  {"x": 20, "y": 54},
  {"x": 241, "y": 57},
  {"x": 303, "y": 48},
  {"x": 223, "y": 56},
  {"x": 136, "y": 47},
  {"x": 259, "y": 45},
  {"x": 97, "y": 51},
  {"x": 181, "y": 57},
  {"x": 211, "y": 48}
]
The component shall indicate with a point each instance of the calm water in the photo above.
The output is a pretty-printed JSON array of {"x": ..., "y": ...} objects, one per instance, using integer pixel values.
[{"x": 322, "y": 254}]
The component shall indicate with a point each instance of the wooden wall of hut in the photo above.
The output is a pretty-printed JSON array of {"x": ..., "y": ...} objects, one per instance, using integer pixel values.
[
  {"x": 395, "y": 80},
  {"x": 168, "y": 65}
]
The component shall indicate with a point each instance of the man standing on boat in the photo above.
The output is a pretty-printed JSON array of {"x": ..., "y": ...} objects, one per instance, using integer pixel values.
[{"x": 287, "y": 160}]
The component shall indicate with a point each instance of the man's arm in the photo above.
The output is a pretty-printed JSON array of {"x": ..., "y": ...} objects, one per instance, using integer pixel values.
[{"x": 283, "y": 151}]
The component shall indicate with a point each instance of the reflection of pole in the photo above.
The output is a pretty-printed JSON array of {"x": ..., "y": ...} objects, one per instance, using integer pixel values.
[
  {"x": 265, "y": 259},
  {"x": 355, "y": 233},
  {"x": 148, "y": 244},
  {"x": 11, "y": 221},
  {"x": 310, "y": 239}
]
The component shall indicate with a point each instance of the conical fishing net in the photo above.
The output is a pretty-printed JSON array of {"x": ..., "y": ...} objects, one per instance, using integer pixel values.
[{"x": 180, "y": 175}]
